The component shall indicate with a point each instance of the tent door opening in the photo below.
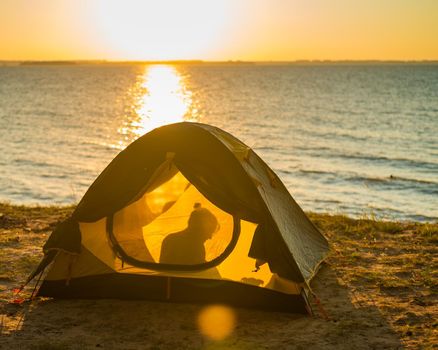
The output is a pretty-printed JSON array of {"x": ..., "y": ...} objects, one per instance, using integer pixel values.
[{"x": 172, "y": 226}]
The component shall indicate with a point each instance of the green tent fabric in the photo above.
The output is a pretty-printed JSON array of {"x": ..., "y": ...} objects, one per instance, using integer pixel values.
[{"x": 225, "y": 172}]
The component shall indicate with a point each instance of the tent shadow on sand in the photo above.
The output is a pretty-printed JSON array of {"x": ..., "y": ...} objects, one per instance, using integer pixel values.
[{"x": 116, "y": 324}]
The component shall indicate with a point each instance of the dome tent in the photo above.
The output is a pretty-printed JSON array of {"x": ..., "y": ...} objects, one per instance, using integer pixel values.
[{"x": 262, "y": 254}]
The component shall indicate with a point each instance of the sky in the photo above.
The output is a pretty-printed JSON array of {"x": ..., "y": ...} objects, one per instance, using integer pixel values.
[{"x": 254, "y": 30}]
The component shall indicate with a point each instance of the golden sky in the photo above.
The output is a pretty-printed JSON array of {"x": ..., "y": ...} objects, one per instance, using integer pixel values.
[{"x": 259, "y": 30}]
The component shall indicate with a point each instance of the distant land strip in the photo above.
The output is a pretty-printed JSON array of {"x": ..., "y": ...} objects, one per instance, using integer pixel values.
[{"x": 202, "y": 62}]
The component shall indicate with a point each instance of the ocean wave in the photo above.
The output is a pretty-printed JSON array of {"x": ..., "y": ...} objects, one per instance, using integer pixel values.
[
  {"x": 32, "y": 163},
  {"x": 308, "y": 171},
  {"x": 54, "y": 176},
  {"x": 338, "y": 134},
  {"x": 405, "y": 162},
  {"x": 391, "y": 179},
  {"x": 388, "y": 213},
  {"x": 285, "y": 172},
  {"x": 264, "y": 148}
]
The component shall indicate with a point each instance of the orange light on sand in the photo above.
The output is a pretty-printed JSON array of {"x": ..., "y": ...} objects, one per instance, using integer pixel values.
[{"x": 216, "y": 321}]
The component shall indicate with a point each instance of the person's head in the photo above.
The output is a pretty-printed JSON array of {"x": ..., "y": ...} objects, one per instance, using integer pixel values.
[{"x": 202, "y": 222}]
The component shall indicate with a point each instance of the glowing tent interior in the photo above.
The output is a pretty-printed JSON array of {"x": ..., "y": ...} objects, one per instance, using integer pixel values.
[{"x": 186, "y": 213}]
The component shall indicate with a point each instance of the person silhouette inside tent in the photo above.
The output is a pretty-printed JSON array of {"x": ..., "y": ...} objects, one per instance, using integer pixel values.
[{"x": 187, "y": 246}]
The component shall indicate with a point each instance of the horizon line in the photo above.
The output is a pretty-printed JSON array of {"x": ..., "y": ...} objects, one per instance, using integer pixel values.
[{"x": 199, "y": 61}]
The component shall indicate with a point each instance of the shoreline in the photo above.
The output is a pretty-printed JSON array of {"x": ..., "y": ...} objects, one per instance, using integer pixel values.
[
  {"x": 379, "y": 286},
  {"x": 367, "y": 215}
]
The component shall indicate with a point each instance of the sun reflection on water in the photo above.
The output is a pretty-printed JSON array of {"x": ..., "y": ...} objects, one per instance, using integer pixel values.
[{"x": 161, "y": 98}]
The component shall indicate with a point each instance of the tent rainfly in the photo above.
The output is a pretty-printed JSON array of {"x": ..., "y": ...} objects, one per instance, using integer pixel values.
[{"x": 186, "y": 213}]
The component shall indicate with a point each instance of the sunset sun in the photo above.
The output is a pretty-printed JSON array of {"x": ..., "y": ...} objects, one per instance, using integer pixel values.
[{"x": 162, "y": 30}]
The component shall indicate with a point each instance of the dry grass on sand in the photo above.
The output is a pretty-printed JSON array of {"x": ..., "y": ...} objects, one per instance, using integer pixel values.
[{"x": 379, "y": 287}]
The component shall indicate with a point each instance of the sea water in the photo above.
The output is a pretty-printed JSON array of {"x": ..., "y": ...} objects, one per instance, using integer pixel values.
[{"x": 349, "y": 139}]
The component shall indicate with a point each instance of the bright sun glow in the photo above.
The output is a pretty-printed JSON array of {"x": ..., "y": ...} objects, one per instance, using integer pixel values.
[{"x": 162, "y": 30}]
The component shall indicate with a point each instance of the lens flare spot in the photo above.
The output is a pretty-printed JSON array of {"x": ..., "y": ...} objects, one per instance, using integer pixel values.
[{"x": 216, "y": 321}]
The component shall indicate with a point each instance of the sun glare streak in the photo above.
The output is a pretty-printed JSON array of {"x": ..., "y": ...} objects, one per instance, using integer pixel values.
[{"x": 160, "y": 98}]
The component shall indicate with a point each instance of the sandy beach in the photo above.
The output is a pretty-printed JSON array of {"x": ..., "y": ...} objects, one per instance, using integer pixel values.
[{"x": 378, "y": 288}]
